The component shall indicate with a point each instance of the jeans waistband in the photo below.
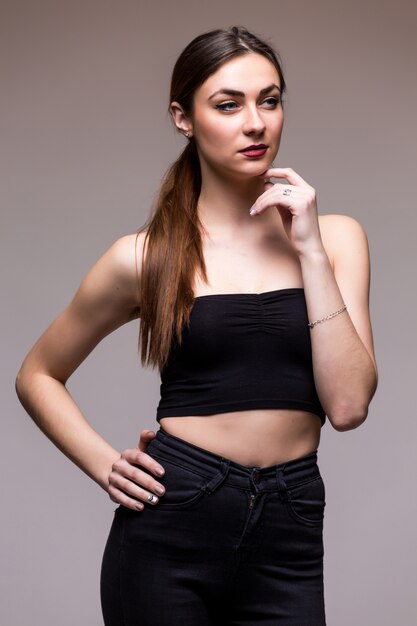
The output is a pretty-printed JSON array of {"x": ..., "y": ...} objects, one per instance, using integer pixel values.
[{"x": 208, "y": 464}]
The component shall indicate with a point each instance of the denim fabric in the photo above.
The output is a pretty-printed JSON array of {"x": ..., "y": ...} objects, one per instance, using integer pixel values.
[{"x": 227, "y": 545}]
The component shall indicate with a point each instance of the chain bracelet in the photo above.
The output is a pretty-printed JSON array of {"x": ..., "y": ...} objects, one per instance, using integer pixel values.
[{"x": 328, "y": 317}]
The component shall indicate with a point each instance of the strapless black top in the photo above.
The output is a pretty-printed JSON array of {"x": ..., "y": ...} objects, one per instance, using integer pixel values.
[{"x": 239, "y": 352}]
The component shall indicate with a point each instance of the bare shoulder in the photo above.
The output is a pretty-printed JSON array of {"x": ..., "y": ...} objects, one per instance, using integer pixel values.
[
  {"x": 343, "y": 237},
  {"x": 123, "y": 261},
  {"x": 112, "y": 284},
  {"x": 340, "y": 223},
  {"x": 125, "y": 254}
]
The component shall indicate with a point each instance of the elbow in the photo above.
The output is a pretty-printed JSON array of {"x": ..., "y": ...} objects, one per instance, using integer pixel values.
[
  {"x": 351, "y": 410},
  {"x": 348, "y": 418},
  {"x": 23, "y": 382},
  {"x": 19, "y": 384}
]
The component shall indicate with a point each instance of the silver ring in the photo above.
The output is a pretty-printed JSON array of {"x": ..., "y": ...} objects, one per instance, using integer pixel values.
[
  {"x": 152, "y": 498},
  {"x": 286, "y": 192}
]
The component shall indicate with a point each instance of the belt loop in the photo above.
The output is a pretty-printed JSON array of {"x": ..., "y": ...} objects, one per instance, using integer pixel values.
[
  {"x": 282, "y": 487},
  {"x": 218, "y": 478}
]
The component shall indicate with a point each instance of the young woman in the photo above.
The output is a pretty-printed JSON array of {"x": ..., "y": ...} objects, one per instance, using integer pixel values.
[{"x": 255, "y": 309}]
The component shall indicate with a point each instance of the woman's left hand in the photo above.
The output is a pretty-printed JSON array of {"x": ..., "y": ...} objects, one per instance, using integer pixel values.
[{"x": 297, "y": 206}]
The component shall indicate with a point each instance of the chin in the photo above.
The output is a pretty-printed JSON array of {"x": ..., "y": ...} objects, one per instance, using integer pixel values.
[
  {"x": 256, "y": 169},
  {"x": 244, "y": 171}
]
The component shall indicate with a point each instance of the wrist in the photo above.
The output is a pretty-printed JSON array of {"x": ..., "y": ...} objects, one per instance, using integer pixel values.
[
  {"x": 314, "y": 256},
  {"x": 101, "y": 476}
]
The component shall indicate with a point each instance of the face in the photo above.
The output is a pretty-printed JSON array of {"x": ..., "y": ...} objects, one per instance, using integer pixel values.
[{"x": 237, "y": 117}]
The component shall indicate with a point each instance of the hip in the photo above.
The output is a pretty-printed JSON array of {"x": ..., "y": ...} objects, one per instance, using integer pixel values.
[{"x": 211, "y": 500}]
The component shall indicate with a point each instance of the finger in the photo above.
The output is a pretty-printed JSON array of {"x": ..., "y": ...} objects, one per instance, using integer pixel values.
[
  {"x": 268, "y": 185},
  {"x": 273, "y": 196},
  {"x": 145, "y": 437},
  {"x": 141, "y": 478},
  {"x": 130, "y": 503},
  {"x": 124, "y": 475},
  {"x": 137, "y": 457},
  {"x": 120, "y": 497},
  {"x": 121, "y": 488},
  {"x": 288, "y": 173}
]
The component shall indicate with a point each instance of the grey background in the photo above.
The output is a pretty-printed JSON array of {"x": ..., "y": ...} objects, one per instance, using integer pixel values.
[{"x": 85, "y": 138}]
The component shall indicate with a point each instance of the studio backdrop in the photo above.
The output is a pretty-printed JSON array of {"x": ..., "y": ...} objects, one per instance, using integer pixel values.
[{"x": 85, "y": 140}]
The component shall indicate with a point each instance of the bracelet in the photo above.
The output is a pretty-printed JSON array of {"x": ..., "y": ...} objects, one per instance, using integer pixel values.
[{"x": 328, "y": 317}]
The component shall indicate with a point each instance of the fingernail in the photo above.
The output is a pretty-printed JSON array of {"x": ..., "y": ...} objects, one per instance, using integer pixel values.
[
  {"x": 160, "y": 490},
  {"x": 252, "y": 211},
  {"x": 160, "y": 471},
  {"x": 152, "y": 499}
]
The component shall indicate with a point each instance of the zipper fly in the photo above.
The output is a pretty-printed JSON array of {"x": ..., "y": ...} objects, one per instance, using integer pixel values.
[{"x": 252, "y": 500}]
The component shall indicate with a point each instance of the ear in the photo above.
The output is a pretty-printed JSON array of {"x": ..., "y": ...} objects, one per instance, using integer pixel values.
[{"x": 181, "y": 121}]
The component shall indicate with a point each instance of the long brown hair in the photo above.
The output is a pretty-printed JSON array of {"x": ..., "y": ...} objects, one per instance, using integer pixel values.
[{"x": 173, "y": 234}]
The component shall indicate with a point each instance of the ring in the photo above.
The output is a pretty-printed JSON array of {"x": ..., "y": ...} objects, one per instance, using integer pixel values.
[{"x": 286, "y": 192}]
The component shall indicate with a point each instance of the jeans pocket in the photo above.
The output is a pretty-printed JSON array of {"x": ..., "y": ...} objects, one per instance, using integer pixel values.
[
  {"x": 306, "y": 501},
  {"x": 183, "y": 486}
]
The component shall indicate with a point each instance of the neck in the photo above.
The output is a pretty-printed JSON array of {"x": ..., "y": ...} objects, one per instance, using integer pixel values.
[{"x": 226, "y": 202}]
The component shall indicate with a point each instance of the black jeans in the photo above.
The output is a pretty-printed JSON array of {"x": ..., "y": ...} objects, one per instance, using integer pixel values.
[{"x": 227, "y": 545}]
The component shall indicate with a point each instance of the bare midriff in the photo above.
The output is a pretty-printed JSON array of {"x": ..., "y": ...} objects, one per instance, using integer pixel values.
[{"x": 258, "y": 438}]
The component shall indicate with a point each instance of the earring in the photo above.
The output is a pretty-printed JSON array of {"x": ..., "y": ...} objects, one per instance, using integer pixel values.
[{"x": 188, "y": 134}]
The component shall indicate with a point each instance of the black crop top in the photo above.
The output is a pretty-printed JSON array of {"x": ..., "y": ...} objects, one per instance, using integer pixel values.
[{"x": 239, "y": 352}]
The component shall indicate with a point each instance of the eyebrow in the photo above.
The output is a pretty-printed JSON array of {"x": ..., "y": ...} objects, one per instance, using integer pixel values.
[{"x": 233, "y": 92}]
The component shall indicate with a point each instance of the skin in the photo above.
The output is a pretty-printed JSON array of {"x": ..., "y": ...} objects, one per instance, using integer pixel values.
[{"x": 255, "y": 239}]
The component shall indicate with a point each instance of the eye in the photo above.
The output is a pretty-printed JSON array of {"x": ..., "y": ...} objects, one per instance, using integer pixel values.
[
  {"x": 271, "y": 102},
  {"x": 230, "y": 105}
]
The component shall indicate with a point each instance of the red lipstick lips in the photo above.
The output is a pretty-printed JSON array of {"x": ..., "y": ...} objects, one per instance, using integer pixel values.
[{"x": 254, "y": 150}]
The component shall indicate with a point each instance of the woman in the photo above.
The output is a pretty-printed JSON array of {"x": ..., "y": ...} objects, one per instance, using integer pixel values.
[{"x": 255, "y": 309}]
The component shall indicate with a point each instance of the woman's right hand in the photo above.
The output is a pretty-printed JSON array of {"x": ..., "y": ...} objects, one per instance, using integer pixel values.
[{"x": 131, "y": 486}]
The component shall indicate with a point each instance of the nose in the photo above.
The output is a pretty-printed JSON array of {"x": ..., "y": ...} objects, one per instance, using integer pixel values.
[{"x": 254, "y": 124}]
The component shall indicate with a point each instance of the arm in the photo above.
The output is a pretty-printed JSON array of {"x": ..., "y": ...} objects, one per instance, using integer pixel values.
[
  {"x": 344, "y": 365},
  {"x": 106, "y": 299}
]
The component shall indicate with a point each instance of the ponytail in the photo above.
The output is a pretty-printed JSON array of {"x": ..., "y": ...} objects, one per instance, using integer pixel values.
[{"x": 173, "y": 256}]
